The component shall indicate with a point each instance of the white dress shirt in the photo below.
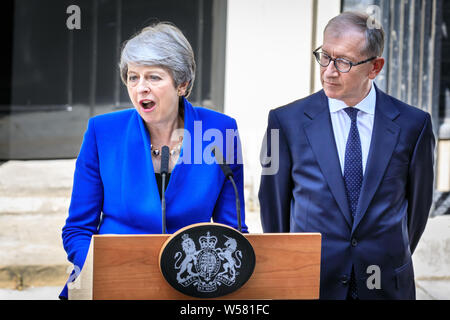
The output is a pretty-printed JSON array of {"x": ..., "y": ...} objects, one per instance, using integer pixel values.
[{"x": 341, "y": 125}]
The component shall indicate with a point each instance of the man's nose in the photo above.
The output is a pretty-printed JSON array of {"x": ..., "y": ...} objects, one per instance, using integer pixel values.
[{"x": 331, "y": 69}]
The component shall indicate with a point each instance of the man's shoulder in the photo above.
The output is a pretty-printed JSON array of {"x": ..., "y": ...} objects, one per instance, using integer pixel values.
[
  {"x": 299, "y": 106},
  {"x": 407, "y": 111}
]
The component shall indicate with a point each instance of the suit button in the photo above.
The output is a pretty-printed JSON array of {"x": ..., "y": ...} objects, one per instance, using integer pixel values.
[
  {"x": 354, "y": 242},
  {"x": 344, "y": 280}
]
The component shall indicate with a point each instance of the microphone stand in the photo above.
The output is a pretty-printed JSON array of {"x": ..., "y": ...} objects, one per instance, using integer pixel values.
[
  {"x": 229, "y": 175},
  {"x": 164, "y": 171},
  {"x": 163, "y": 203},
  {"x": 238, "y": 204}
]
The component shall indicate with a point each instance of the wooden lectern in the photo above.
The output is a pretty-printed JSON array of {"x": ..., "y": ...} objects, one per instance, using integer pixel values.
[{"x": 126, "y": 267}]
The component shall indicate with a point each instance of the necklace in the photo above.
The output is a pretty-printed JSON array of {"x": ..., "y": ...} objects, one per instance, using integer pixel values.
[{"x": 176, "y": 149}]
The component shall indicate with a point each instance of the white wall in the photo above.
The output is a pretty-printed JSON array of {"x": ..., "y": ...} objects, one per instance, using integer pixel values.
[
  {"x": 268, "y": 64},
  {"x": 326, "y": 9}
]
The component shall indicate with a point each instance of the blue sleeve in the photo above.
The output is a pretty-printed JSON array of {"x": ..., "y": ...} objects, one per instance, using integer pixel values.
[
  {"x": 225, "y": 210},
  {"x": 275, "y": 191},
  {"x": 86, "y": 202},
  {"x": 420, "y": 183}
]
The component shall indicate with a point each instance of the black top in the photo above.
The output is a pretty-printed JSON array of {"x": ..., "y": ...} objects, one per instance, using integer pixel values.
[{"x": 159, "y": 182}]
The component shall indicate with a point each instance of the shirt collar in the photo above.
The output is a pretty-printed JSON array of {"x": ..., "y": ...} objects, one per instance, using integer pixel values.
[{"x": 366, "y": 105}]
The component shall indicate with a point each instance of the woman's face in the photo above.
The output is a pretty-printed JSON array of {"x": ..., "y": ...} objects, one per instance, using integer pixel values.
[{"x": 153, "y": 93}]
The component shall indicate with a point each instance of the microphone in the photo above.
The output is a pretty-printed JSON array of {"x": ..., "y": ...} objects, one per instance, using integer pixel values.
[
  {"x": 229, "y": 175},
  {"x": 164, "y": 172}
]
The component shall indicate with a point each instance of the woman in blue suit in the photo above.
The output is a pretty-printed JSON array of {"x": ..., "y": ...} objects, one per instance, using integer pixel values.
[{"x": 117, "y": 181}]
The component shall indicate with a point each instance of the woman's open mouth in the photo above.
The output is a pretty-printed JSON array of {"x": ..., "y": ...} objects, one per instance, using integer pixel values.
[{"x": 147, "y": 104}]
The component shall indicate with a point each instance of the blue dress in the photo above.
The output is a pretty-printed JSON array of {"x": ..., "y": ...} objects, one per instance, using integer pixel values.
[{"x": 114, "y": 179}]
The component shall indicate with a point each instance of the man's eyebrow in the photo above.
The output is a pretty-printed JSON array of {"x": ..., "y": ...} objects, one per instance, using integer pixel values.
[{"x": 342, "y": 56}]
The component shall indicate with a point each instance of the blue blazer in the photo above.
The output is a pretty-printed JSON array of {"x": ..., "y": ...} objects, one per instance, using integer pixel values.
[
  {"x": 115, "y": 189},
  {"x": 308, "y": 194}
]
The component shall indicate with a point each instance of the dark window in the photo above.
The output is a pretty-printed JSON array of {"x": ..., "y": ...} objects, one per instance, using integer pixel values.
[
  {"x": 412, "y": 50},
  {"x": 60, "y": 78},
  {"x": 444, "y": 111}
]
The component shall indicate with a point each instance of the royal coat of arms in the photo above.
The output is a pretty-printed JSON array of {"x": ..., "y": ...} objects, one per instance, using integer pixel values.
[
  {"x": 208, "y": 267},
  {"x": 207, "y": 260}
]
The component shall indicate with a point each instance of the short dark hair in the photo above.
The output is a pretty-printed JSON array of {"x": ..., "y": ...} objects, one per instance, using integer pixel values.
[{"x": 373, "y": 33}]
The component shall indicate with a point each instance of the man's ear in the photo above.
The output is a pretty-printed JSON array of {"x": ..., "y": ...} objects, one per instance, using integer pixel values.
[{"x": 377, "y": 66}]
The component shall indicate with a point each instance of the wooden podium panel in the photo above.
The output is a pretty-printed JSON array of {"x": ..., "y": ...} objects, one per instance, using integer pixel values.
[{"x": 127, "y": 267}]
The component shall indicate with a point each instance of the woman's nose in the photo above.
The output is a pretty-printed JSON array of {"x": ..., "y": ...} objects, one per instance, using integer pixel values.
[{"x": 143, "y": 87}]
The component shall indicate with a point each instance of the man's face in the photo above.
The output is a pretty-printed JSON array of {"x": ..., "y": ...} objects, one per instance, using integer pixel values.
[{"x": 353, "y": 86}]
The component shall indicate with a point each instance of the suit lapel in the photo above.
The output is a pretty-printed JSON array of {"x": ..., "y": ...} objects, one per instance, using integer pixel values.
[
  {"x": 384, "y": 139},
  {"x": 183, "y": 167},
  {"x": 321, "y": 138},
  {"x": 139, "y": 187}
]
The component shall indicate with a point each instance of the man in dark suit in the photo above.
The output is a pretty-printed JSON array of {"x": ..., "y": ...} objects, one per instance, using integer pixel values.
[{"x": 354, "y": 164}]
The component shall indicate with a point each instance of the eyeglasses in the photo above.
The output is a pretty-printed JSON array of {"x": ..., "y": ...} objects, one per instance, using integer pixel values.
[{"x": 341, "y": 64}]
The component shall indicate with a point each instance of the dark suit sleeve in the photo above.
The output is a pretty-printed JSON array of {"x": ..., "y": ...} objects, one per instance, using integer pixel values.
[
  {"x": 275, "y": 192},
  {"x": 420, "y": 183}
]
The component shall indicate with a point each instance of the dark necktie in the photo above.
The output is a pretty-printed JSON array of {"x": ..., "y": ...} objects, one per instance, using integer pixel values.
[
  {"x": 353, "y": 176},
  {"x": 353, "y": 170}
]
